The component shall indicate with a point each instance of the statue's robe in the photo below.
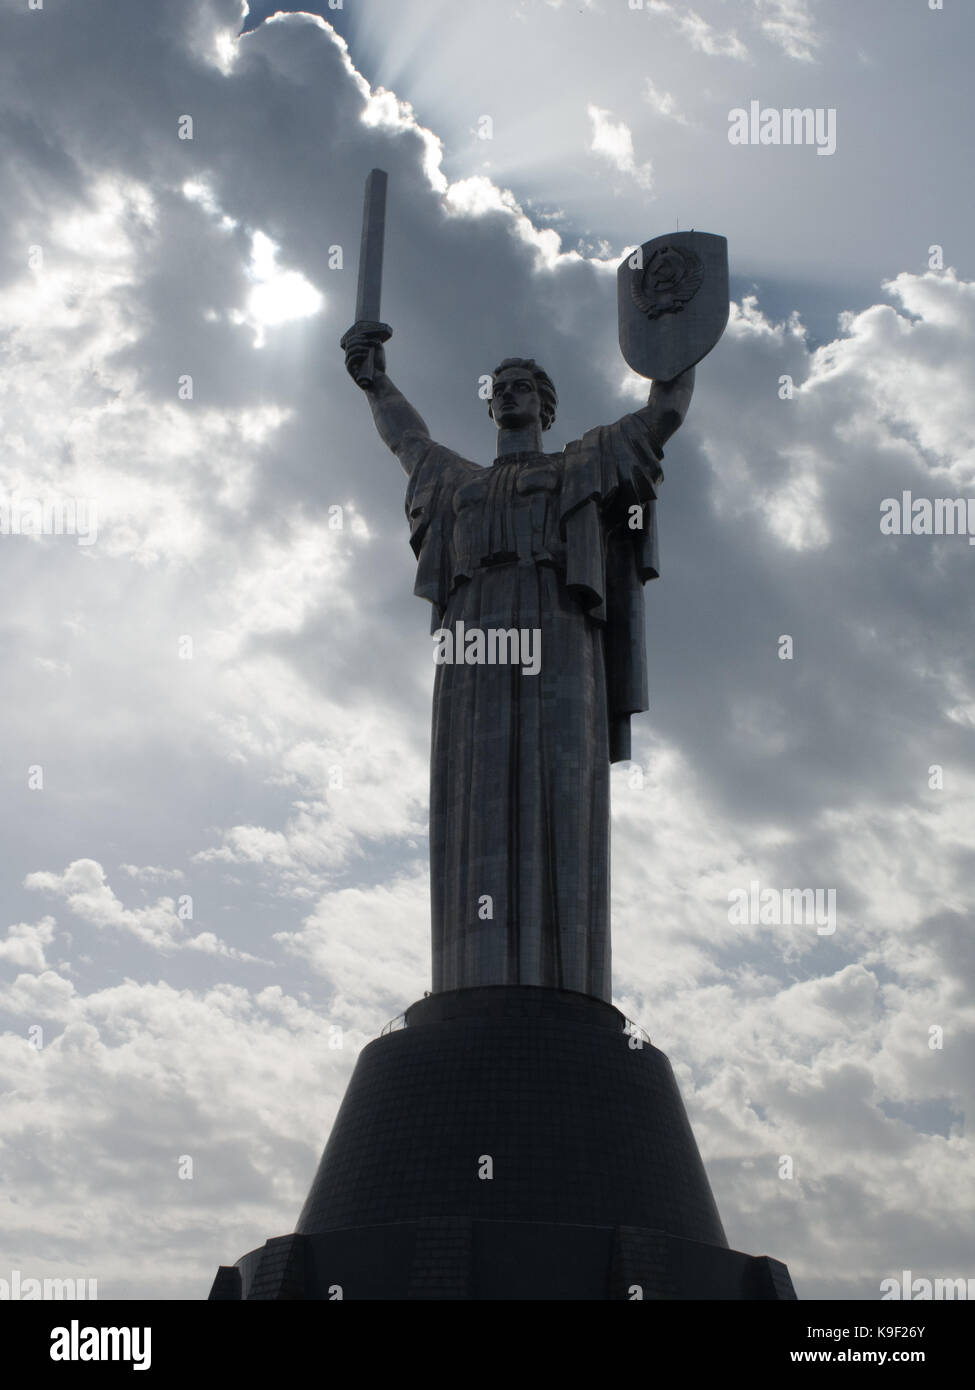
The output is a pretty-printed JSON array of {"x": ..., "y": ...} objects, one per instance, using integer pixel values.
[{"x": 519, "y": 791}]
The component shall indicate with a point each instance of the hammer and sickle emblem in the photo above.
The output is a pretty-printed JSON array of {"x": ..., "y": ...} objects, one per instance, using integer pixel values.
[{"x": 670, "y": 279}]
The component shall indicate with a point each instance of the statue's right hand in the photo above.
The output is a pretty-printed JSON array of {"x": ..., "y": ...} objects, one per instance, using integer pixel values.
[{"x": 357, "y": 343}]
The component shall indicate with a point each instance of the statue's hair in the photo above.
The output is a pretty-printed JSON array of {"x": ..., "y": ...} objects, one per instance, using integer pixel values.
[{"x": 543, "y": 385}]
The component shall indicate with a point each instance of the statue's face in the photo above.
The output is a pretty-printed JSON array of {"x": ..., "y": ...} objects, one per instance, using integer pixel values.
[{"x": 515, "y": 401}]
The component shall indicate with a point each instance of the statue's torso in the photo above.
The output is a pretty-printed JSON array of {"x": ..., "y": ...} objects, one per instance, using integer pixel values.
[{"x": 508, "y": 513}]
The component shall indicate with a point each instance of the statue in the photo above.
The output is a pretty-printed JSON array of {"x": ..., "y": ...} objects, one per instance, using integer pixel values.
[
  {"x": 535, "y": 567},
  {"x": 547, "y": 551}
]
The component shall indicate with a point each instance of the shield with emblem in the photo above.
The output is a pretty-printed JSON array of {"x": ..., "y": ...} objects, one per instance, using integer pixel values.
[{"x": 673, "y": 302}]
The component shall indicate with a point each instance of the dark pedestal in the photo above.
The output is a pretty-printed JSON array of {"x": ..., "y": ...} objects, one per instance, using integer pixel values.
[{"x": 596, "y": 1187}]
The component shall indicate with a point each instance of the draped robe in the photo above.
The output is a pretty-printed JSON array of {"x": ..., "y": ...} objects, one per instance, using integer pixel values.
[{"x": 560, "y": 544}]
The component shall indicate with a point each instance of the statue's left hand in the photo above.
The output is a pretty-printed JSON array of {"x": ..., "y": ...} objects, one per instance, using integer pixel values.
[
  {"x": 677, "y": 391},
  {"x": 668, "y": 403}
]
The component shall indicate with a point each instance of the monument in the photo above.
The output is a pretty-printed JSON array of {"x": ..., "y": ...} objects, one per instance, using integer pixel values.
[{"x": 514, "y": 1136}]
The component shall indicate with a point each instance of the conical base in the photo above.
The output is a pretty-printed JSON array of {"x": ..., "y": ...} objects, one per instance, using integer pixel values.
[{"x": 508, "y": 1142}]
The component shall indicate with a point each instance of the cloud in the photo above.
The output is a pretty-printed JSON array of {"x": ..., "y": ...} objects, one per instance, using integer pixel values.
[
  {"x": 278, "y": 295},
  {"x": 84, "y": 888},
  {"x": 25, "y": 942},
  {"x": 662, "y": 102},
  {"x": 911, "y": 367},
  {"x": 149, "y": 873},
  {"x": 805, "y": 1045},
  {"x": 478, "y": 195},
  {"x": 700, "y": 34},
  {"x": 351, "y": 927},
  {"x": 614, "y": 141},
  {"x": 789, "y": 24},
  {"x": 103, "y": 1085}
]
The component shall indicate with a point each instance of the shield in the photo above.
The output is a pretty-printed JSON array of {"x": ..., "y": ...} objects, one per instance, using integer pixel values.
[{"x": 673, "y": 302}]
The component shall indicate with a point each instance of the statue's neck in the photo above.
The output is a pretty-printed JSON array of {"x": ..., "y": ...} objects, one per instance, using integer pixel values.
[{"x": 527, "y": 439}]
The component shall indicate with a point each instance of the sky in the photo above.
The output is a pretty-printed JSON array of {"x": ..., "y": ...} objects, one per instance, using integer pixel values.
[{"x": 216, "y": 680}]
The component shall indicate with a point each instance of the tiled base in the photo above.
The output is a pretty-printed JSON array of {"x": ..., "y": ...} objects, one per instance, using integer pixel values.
[
  {"x": 499, "y": 1260},
  {"x": 509, "y": 1142}
]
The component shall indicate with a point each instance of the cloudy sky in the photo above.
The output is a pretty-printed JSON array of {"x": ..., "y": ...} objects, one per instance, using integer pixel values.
[{"x": 216, "y": 691}]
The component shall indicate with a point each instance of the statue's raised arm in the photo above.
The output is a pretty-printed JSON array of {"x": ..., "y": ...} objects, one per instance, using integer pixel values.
[
  {"x": 667, "y": 406},
  {"x": 365, "y": 359},
  {"x": 394, "y": 417}
]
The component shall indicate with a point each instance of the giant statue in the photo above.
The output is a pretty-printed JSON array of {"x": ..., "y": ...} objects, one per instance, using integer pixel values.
[
  {"x": 517, "y": 1067},
  {"x": 545, "y": 555}
]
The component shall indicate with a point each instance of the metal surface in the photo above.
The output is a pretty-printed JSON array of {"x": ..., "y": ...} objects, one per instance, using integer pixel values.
[
  {"x": 371, "y": 248},
  {"x": 672, "y": 294}
]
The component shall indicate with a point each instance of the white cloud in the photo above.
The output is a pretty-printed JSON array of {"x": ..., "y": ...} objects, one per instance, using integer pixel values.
[
  {"x": 912, "y": 368},
  {"x": 150, "y": 873},
  {"x": 662, "y": 102},
  {"x": 103, "y": 1085},
  {"x": 789, "y": 24},
  {"x": 350, "y": 927},
  {"x": 478, "y": 195},
  {"x": 25, "y": 942},
  {"x": 361, "y": 784},
  {"x": 278, "y": 295},
  {"x": 614, "y": 141},
  {"x": 84, "y": 888},
  {"x": 700, "y": 34},
  {"x": 796, "y": 510}
]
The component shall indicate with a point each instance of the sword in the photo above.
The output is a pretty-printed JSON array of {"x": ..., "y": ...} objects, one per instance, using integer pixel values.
[{"x": 367, "y": 318}]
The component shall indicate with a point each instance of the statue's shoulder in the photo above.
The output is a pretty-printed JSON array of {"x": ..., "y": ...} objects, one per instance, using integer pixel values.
[
  {"x": 629, "y": 440},
  {"x": 418, "y": 449},
  {"x": 619, "y": 463},
  {"x": 456, "y": 463}
]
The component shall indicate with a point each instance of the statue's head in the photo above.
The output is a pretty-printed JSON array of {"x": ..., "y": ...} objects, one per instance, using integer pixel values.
[{"x": 521, "y": 394}]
